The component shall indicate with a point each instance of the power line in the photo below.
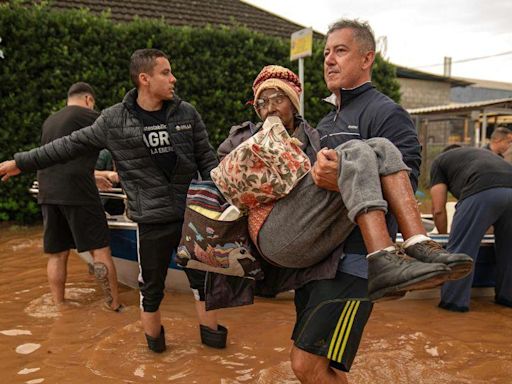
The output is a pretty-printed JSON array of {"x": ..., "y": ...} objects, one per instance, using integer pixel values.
[{"x": 466, "y": 60}]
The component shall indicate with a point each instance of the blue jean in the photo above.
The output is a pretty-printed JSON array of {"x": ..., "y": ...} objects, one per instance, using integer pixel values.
[{"x": 473, "y": 216}]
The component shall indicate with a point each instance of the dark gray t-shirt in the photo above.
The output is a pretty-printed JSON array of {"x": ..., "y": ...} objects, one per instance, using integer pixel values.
[
  {"x": 71, "y": 183},
  {"x": 467, "y": 171}
]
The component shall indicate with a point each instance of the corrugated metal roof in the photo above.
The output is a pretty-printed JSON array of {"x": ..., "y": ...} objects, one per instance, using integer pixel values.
[
  {"x": 458, "y": 107},
  {"x": 489, "y": 84},
  {"x": 409, "y": 73}
]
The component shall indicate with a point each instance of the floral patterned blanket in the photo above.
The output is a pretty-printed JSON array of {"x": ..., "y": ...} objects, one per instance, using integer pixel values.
[{"x": 263, "y": 168}]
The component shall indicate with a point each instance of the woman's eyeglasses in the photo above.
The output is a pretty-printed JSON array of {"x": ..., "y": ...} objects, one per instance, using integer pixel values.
[{"x": 264, "y": 102}]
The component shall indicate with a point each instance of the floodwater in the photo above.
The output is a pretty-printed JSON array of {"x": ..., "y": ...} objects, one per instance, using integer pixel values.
[{"x": 407, "y": 341}]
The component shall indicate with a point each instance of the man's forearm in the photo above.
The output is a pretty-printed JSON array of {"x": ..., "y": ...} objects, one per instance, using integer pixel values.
[{"x": 441, "y": 221}]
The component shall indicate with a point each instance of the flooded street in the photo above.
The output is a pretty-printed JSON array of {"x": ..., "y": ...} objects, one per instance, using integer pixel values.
[{"x": 408, "y": 341}]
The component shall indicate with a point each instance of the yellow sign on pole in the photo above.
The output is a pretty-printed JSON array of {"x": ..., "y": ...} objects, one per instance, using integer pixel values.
[{"x": 301, "y": 44}]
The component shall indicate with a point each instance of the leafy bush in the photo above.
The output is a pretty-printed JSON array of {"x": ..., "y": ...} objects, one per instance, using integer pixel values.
[{"x": 45, "y": 51}]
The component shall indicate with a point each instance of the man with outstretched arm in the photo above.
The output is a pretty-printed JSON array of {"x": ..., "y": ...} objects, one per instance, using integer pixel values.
[{"x": 159, "y": 143}]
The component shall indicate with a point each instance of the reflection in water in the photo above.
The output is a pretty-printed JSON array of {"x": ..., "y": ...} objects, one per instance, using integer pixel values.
[
  {"x": 25, "y": 349},
  {"x": 408, "y": 341}
]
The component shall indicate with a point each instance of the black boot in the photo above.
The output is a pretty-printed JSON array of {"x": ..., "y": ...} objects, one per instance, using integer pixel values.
[
  {"x": 452, "y": 307},
  {"x": 429, "y": 251},
  {"x": 392, "y": 272},
  {"x": 214, "y": 338},
  {"x": 157, "y": 344}
]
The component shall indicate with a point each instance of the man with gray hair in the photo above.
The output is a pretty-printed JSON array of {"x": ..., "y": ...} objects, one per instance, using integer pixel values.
[
  {"x": 326, "y": 338},
  {"x": 501, "y": 140}
]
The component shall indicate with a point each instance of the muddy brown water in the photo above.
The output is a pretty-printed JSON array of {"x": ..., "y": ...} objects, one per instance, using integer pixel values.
[{"x": 407, "y": 341}]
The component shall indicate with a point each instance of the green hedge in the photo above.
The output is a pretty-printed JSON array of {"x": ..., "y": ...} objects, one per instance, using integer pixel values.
[{"x": 45, "y": 51}]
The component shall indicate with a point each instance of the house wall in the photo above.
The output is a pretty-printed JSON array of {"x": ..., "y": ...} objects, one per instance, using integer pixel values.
[{"x": 423, "y": 93}]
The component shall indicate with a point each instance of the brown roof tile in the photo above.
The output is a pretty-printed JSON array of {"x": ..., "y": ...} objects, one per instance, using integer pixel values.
[{"x": 194, "y": 13}]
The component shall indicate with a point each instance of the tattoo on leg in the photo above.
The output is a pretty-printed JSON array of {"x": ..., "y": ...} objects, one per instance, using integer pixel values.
[{"x": 101, "y": 274}]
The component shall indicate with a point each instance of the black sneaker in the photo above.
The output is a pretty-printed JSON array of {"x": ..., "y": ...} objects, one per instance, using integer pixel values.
[
  {"x": 214, "y": 338},
  {"x": 157, "y": 344},
  {"x": 503, "y": 301},
  {"x": 429, "y": 251},
  {"x": 391, "y": 272},
  {"x": 452, "y": 307}
]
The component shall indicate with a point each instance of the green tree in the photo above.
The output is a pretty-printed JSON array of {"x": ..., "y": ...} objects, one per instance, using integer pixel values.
[{"x": 45, "y": 51}]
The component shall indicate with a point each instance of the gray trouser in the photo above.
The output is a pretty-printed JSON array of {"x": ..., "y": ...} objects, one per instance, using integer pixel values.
[
  {"x": 362, "y": 163},
  {"x": 308, "y": 224}
]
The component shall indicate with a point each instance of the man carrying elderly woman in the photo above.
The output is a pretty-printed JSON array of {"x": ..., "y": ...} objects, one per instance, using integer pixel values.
[{"x": 302, "y": 234}]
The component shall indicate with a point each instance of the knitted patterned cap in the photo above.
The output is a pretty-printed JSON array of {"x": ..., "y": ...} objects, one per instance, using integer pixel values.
[{"x": 275, "y": 76}]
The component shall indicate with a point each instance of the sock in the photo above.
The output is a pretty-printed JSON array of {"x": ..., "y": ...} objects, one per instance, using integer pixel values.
[
  {"x": 391, "y": 248},
  {"x": 415, "y": 240}
]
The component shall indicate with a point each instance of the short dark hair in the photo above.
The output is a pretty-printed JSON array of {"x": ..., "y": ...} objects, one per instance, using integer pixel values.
[
  {"x": 79, "y": 89},
  {"x": 363, "y": 33},
  {"x": 500, "y": 133},
  {"x": 450, "y": 147},
  {"x": 143, "y": 60}
]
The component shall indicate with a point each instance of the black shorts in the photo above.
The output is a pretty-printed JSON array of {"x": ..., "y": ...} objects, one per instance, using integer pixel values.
[
  {"x": 156, "y": 245},
  {"x": 83, "y": 227},
  {"x": 331, "y": 316}
]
